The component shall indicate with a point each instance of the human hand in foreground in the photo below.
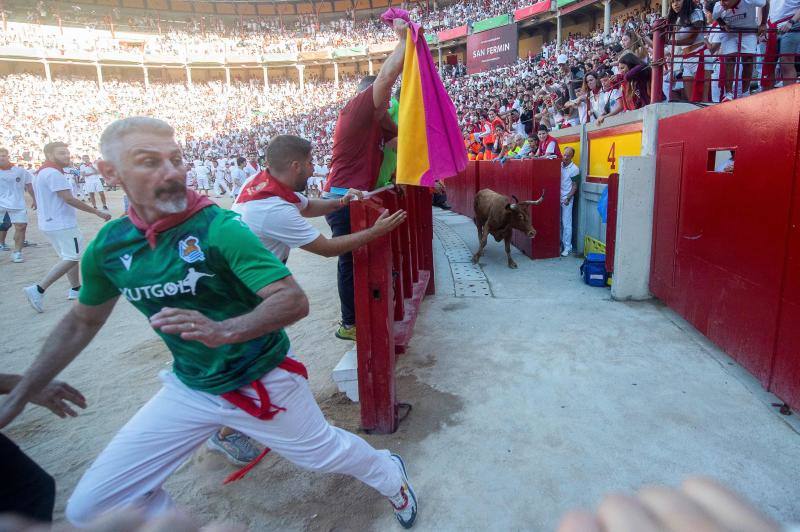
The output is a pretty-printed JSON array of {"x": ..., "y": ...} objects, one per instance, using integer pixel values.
[
  {"x": 57, "y": 397},
  {"x": 189, "y": 325},
  {"x": 399, "y": 27},
  {"x": 386, "y": 222},
  {"x": 351, "y": 193},
  {"x": 699, "y": 504}
]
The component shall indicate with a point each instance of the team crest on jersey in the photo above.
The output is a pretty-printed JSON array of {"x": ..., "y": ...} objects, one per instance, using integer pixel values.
[{"x": 189, "y": 249}]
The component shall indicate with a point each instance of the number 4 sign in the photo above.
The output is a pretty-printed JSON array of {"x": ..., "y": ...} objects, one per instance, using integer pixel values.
[{"x": 611, "y": 158}]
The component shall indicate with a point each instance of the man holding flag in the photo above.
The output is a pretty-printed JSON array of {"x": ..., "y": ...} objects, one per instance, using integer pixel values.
[{"x": 362, "y": 130}]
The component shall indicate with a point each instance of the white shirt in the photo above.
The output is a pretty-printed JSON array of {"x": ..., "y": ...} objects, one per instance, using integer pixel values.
[
  {"x": 52, "y": 211},
  {"x": 567, "y": 173},
  {"x": 779, "y": 9},
  {"x": 202, "y": 172},
  {"x": 250, "y": 170},
  {"x": 278, "y": 223},
  {"x": 238, "y": 176},
  {"x": 743, "y": 16},
  {"x": 12, "y": 188},
  {"x": 89, "y": 173}
]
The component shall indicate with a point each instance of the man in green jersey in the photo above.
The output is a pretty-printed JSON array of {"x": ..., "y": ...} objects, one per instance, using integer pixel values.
[{"x": 220, "y": 301}]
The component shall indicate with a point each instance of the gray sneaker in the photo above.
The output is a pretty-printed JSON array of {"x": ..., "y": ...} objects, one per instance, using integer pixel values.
[
  {"x": 4, "y": 247},
  {"x": 236, "y": 447},
  {"x": 405, "y": 501}
]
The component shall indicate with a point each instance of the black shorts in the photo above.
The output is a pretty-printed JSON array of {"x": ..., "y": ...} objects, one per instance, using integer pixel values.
[{"x": 26, "y": 489}]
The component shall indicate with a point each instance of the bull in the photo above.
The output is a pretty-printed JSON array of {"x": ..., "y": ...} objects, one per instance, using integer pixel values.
[{"x": 497, "y": 215}]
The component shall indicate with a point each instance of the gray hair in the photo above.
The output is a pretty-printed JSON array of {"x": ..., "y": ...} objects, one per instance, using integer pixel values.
[{"x": 110, "y": 139}]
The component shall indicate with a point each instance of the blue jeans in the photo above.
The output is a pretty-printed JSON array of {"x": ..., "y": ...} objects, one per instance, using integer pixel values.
[{"x": 339, "y": 222}]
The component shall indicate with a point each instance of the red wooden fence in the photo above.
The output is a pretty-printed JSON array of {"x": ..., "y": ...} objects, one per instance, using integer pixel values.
[
  {"x": 392, "y": 275},
  {"x": 525, "y": 179}
]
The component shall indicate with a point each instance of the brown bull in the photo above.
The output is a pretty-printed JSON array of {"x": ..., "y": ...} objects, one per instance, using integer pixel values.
[{"x": 497, "y": 215}]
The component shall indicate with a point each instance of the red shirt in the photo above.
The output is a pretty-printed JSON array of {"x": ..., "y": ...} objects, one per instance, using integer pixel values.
[{"x": 361, "y": 131}]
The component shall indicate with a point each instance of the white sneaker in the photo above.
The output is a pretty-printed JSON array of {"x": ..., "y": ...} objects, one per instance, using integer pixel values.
[
  {"x": 17, "y": 257},
  {"x": 34, "y": 297},
  {"x": 405, "y": 501},
  {"x": 72, "y": 294},
  {"x": 566, "y": 252}
]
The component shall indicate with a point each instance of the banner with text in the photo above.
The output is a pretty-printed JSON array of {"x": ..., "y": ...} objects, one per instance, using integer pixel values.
[{"x": 492, "y": 48}]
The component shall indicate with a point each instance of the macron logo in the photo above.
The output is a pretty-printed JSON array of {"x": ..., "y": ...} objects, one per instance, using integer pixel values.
[{"x": 126, "y": 261}]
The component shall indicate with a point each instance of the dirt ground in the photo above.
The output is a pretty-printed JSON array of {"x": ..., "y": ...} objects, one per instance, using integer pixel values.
[{"x": 118, "y": 371}]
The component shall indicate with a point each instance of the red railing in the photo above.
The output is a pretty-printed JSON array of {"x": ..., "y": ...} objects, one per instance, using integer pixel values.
[
  {"x": 391, "y": 276},
  {"x": 730, "y": 70}
]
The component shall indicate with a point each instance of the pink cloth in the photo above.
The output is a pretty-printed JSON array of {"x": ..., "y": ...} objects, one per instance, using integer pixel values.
[{"x": 446, "y": 153}]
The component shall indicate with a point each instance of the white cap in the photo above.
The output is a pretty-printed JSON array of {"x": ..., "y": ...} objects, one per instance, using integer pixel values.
[{"x": 562, "y": 59}]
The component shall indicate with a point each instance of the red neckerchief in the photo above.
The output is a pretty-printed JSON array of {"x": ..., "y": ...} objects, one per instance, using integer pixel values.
[
  {"x": 9, "y": 167},
  {"x": 195, "y": 203},
  {"x": 50, "y": 164},
  {"x": 263, "y": 186}
]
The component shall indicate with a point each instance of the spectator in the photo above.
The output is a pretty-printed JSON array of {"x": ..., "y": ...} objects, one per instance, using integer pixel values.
[
  {"x": 689, "y": 40},
  {"x": 636, "y": 82},
  {"x": 738, "y": 47}
]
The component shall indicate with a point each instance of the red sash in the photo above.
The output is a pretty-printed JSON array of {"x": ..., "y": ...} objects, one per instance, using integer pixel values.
[
  {"x": 195, "y": 203},
  {"x": 699, "y": 74},
  {"x": 771, "y": 54},
  {"x": 265, "y": 410},
  {"x": 263, "y": 186},
  {"x": 50, "y": 164}
]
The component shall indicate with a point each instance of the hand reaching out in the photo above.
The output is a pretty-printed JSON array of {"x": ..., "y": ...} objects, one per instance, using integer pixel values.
[{"x": 699, "y": 504}]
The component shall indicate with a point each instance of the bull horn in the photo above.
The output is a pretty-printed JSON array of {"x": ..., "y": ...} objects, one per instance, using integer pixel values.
[
  {"x": 516, "y": 200},
  {"x": 532, "y": 202}
]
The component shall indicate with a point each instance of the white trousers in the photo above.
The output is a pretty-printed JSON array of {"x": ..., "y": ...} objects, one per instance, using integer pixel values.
[
  {"x": 566, "y": 225},
  {"x": 165, "y": 432}
]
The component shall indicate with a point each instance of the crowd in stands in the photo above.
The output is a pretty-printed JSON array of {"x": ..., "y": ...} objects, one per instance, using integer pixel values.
[
  {"x": 215, "y": 35},
  {"x": 210, "y": 120},
  {"x": 585, "y": 79}
]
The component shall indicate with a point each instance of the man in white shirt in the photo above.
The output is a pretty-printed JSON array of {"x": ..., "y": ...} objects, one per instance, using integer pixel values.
[
  {"x": 92, "y": 183},
  {"x": 221, "y": 178},
  {"x": 14, "y": 181},
  {"x": 238, "y": 176},
  {"x": 201, "y": 175},
  {"x": 733, "y": 16},
  {"x": 784, "y": 15},
  {"x": 272, "y": 206},
  {"x": 252, "y": 167},
  {"x": 56, "y": 215},
  {"x": 569, "y": 186}
]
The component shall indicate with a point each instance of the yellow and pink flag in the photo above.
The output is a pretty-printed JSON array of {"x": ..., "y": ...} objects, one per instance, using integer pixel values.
[{"x": 429, "y": 143}]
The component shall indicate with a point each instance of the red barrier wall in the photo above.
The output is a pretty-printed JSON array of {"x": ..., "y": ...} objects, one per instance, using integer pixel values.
[
  {"x": 726, "y": 245},
  {"x": 391, "y": 276},
  {"x": 526, "y": 179}
]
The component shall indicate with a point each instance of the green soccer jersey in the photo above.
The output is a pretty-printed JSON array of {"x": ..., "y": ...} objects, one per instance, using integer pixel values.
[{"x": 211, "y": 263}]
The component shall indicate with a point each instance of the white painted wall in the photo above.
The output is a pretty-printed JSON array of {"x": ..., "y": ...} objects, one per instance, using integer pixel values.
[{"x": 634, "y": 238}]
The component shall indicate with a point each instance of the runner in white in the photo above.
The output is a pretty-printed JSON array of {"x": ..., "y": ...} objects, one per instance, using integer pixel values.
[
  {"x": 272, "y": 206},
  {"x": 221, "y": 186},
  {"x": 92, "y": 183},
  {"x": 201, "y": 175},
  {"x": 56, "y": 215},
  {"x": 220, "y": 302},
  {"x": 14, "y": 181},
  {"x": 238, "y": 176}
]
